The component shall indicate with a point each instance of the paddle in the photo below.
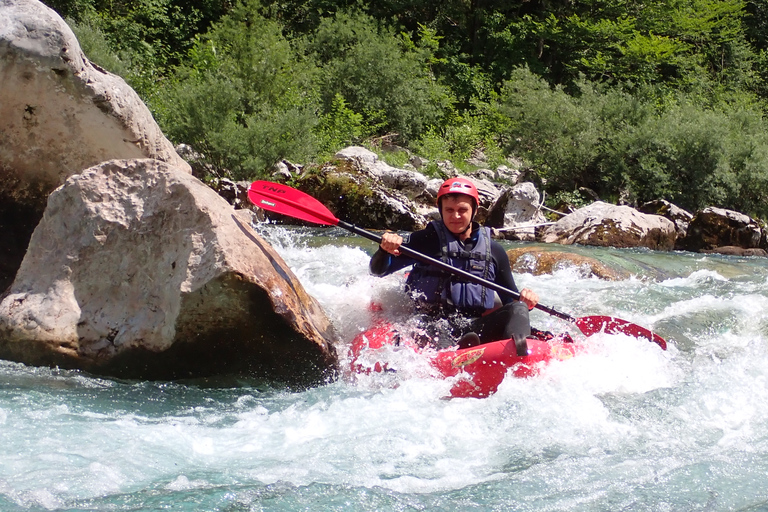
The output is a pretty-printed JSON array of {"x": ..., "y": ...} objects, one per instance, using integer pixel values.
[{"x": 288, "y": 201}]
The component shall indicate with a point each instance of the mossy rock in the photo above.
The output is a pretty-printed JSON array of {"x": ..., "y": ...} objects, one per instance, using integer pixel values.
[
  {"x": 535, "y": 261},
  {"x": 353, "y": 196}
]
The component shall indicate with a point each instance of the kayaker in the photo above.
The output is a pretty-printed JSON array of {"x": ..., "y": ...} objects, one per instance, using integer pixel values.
[{"x": 474, "y": 313}]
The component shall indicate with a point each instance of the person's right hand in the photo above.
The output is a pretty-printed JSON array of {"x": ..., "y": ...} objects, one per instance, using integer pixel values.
[{"x": 390, "y": 242}]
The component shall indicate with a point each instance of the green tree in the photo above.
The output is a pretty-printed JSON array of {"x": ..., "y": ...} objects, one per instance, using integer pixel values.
[
  {"x": 139, "y": 39},
  {"x": 244, "y": 100},
  {"x": 690, "y": 152},
  {"x": 340, "y": 126},
  {"x": 382, "y": 75}
]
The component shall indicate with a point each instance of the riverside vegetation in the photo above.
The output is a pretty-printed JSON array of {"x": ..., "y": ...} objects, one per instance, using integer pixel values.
[{"x": 631, "y": 100}]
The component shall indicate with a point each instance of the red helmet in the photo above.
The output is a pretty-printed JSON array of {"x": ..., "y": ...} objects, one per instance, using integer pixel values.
[{"x": 458, "y": 186}]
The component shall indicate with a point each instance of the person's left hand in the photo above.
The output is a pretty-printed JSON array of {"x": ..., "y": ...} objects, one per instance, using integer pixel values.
[{"x": 529, "y": 297}]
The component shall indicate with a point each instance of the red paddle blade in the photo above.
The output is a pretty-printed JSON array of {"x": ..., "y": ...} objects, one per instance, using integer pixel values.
[
  {"x": 590, "y": 325},
  {"x": 286, "y": 200}
]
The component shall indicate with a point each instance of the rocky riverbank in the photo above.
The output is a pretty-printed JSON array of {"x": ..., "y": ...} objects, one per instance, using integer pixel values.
[{"x": 116, "y": 259}]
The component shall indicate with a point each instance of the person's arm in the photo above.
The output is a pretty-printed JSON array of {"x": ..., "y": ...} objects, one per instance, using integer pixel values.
[
  {"x": 380, "y": 263},
  {"x": 387, "y": 259},
  {"x": 504, "y": 278},
  {"x": 504, "y": 275}
]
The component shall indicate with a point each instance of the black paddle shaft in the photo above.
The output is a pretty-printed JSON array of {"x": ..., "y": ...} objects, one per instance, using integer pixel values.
[{"x": 451, "y": 269}]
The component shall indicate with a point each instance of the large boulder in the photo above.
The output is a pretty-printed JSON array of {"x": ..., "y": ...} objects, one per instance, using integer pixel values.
[
  {"x": 486, "y": 190},
  {"x": 607, "y": 225},
  {"x": 59, "y": 114},
  {"x": 139, "y": 270},
  {"x": 517, "y": 212},
  {"x": 362, "y": 190},
  {"x": 680, "y": 217},
  {"x": 717, "y": 227},
  {"x": 409, "y": 183}
]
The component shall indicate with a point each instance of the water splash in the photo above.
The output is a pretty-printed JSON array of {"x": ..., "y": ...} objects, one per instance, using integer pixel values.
[{"x": 625, "y": 426}]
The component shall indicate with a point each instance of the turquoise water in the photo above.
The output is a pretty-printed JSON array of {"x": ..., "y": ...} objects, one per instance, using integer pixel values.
[{"x": 624, "y": 427}]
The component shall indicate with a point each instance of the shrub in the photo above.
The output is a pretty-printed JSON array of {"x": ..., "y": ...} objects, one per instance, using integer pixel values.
[
  {"x": 339, "y": 127},
  {"x": 557, "y": 133},
  {"x": 380, "y": 75},
  {"x": 690, "y": 149},
  {"x": 244, "y": 100}
]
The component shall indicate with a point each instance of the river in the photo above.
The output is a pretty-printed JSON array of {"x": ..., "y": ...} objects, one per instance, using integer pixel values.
[{"x": 625, "y": 426}]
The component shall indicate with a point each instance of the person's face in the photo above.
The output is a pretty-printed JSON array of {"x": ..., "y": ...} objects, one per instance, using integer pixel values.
[{"x": 457, "y": 214}]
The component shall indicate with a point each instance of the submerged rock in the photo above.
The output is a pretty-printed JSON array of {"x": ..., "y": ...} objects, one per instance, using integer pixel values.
[
  {"x": 537, "y": 262},
  {"x": 731, "y": 250},
  {"x": 139, "y": 270}
]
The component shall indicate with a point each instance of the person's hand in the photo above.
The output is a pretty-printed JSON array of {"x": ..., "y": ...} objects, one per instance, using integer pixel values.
[
  {"x": 390, "y": 242},
  {"x": 529, "y": 297}
]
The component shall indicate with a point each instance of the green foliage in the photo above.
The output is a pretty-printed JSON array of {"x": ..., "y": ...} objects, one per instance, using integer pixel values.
[
  {"x": 567, "y": 200},
  {"x": 384, "y": 77},
  {"x": 243, "y": 100},
  {"x": 72, "y": 9},
  {"x": 692, "y": 153},
  {"x": 458, "y": 140},
  {"x": 95, "y": 45},
  {"x": 339, "y": 127},
  {"x": 396, "y": 157},
  {"x": 700, "y": 157},
  {"x": 138, "y": 39},
  {"x": 560, "y": 134}
]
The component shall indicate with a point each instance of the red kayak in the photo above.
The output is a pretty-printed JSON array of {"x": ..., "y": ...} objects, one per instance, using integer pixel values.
[{"x": 480, "y": 369}]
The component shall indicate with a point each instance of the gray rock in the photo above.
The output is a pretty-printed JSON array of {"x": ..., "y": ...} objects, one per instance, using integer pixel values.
[
  {"x": 280, "y": 172},
  {"x": 608, "y": 225},
  {"x": 517, "y": 206},
  {"x": 484, "y": 174},
  {"x": 680, "y": 217},
  {"x": 506, "y": 175},
  {"x": 139, "y": 270},
  {"x": 59, "y": 114},
  {"x": 418, "y": 162},
  {"x": 717, "y": 227},
  {"x": 358, "y": 197},
  {"x": 487, "y": 191},
  {"x": 433, "y": 187},
  {"x": 410, "y": 183}
]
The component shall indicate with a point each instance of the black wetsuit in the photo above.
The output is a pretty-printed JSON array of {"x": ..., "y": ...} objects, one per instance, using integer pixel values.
[{"x": 508, "y": 321}]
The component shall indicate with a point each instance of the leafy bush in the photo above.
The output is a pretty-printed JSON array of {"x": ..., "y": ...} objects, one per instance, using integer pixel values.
[
  {"x": 380, "y": 75},
  {"x": 244, "y": 100},
  {"x": 559, "y": 134},
  {"x": 690, "y": 153},
  {"x": 634, "y": 100},
  {"x": 96, "y": 47},
  {"x": 340, "y": 126}
]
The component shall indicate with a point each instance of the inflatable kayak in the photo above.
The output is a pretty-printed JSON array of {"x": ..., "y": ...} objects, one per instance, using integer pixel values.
[{"x": 480, "y": 369}]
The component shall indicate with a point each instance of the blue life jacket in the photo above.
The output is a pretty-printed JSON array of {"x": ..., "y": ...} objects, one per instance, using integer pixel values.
[{"x": 434, "y": 286}]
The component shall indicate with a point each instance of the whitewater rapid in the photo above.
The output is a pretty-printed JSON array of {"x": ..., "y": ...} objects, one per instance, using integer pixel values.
[{"x": 625, "y": 426}]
